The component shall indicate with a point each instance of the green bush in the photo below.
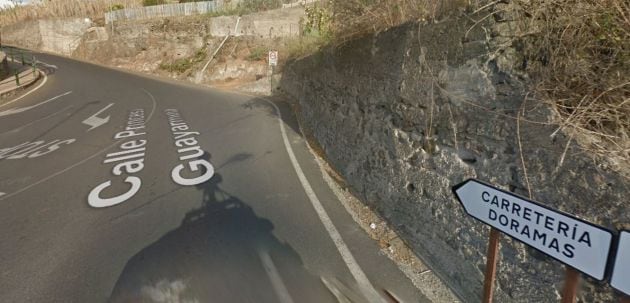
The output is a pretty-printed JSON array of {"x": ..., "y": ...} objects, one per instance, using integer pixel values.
[
  {"x": 248, "y": 7},
  {"x": 260, "y": 5},
  {"x": 116, "y": 7},
  {"x": 318, "y": 21},
  {"x": 257, "y": 53},
  {"x": 152, "y": 2},
  {"x": 184, "y": 64}
]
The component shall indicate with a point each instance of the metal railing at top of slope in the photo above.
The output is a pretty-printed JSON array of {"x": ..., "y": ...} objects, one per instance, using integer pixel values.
[
  {"x": 182, "y": 9},
  {"x": 164, "y": 10},
  {"x": 25, "y": 60}
]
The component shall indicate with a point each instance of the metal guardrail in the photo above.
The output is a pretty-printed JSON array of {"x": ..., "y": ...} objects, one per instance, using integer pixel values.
[
  {"x": 164, "y": 10},
  {"x": 21, "y": 58}
]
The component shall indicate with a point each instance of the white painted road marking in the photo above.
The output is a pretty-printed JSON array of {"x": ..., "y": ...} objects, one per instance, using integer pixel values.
[
  {"x": 276, "y": 281},
  {"x": 33, "y": 149},
  {"x": 2, "y": 194},
  {"x": 132, "y": 149},
  {"x": 94, "y": 121},
  {"x": 364, "y": 283},
  {"x": 23, "y": 109},
  {"x": 23, "y": 189}
]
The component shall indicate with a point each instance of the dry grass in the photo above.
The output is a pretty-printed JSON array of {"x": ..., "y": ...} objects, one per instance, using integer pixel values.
[
  {"x": 62, "y": 9},
  {"x": 577, "y": 51},
  {"x": 579, "y": 58}
]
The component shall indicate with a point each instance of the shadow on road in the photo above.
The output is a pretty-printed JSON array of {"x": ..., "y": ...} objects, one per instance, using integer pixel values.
[
  {"x": 286, "y": 110},
  {"x": 222, "y": 252}
]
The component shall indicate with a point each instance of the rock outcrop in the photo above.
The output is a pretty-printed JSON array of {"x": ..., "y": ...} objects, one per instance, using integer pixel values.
[{"x": 406, "y": 114}]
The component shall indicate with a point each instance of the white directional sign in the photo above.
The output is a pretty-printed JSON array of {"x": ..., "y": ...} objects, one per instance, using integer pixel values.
[
  {"x": 273, "y": 58},
  {"x": 621, "y": 273},
  {"x": 570, "y": 240}
]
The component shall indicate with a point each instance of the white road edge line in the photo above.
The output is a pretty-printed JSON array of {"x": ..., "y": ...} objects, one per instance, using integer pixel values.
[
  {"x": 29, "y": 92},
  {"x": 12, "y": 111},
  {"x": 276, "y": 281},
  {"x": 364, "y": 283}
]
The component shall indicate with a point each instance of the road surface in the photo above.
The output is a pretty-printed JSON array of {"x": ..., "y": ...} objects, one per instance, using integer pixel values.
[{"x": 116, "y": 187}]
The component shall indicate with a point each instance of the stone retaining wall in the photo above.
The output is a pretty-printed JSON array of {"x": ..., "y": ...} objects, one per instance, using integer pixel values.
[{"x": 406, "y": 114}]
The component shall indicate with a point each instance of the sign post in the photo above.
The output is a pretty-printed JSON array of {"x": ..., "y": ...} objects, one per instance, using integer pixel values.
[
  {"x": 571, "y": 281},
  {"x": 491, "y": 265},
  {"x": 579, "y": 244},
  {"x": 273, "y": 62},
  {"x": 620, "y": 278}
]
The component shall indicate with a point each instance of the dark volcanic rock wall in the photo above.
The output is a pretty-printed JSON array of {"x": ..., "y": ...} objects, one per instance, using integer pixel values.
[{"x": 406, "y": 114}]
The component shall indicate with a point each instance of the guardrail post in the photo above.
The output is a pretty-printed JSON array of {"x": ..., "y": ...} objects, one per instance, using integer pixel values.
[
  {"x": 22, "y": 58},
  {"x": 17, "y": 78}
]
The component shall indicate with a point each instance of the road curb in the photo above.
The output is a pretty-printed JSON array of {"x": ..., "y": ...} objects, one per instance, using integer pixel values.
[{"x": 22, "y": 86}]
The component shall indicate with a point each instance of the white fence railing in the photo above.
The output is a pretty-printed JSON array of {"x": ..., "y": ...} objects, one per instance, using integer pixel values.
[{"x": 164, "y": 10}]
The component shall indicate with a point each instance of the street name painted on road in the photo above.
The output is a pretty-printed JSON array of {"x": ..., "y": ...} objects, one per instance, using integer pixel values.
[
  {"x": 194, "y": 169},
  {"x": 189, "y": 151},
  {"x": 33, "y": 149},
  {"x": 130, "y": 161},
  {"x": 621, "y": 273},
  {"x": 572, "y": 241}
]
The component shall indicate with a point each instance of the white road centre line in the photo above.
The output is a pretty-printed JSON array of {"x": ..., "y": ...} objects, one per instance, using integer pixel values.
[
  {"x": 3, "y": 197},
  {"x": 23, "y": 109},
  {"x": 276, "y": 281},
  {"x": 364, "y": 283},
  {"x": 94, "y": 121}
]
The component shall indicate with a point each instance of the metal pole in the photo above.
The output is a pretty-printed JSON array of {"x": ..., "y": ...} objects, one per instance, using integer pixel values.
[
  {"x": 17, "y": 78},
  {"x": 22, "y": 54},
  {"x": 571, "y": 281},
  {"x": 491, "y": 265},
  {"x": 271, "y": 81},
  {"x": 111, "y": 15}
]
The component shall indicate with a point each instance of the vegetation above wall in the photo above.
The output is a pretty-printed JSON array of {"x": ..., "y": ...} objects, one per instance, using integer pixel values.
[
  {"x": 62, "y": 9},
  {"x": 576, "y": 53}
]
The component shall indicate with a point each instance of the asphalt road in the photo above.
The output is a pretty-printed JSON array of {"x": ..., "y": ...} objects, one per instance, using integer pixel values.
[{"x": 116, "y": 187}]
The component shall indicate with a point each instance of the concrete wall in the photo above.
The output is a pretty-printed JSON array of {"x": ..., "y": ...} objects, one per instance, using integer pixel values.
[
  {"x": 24, "y": 34},
  {"x": 61, "y": 36},
  {"x": 406, "y": 114}
]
